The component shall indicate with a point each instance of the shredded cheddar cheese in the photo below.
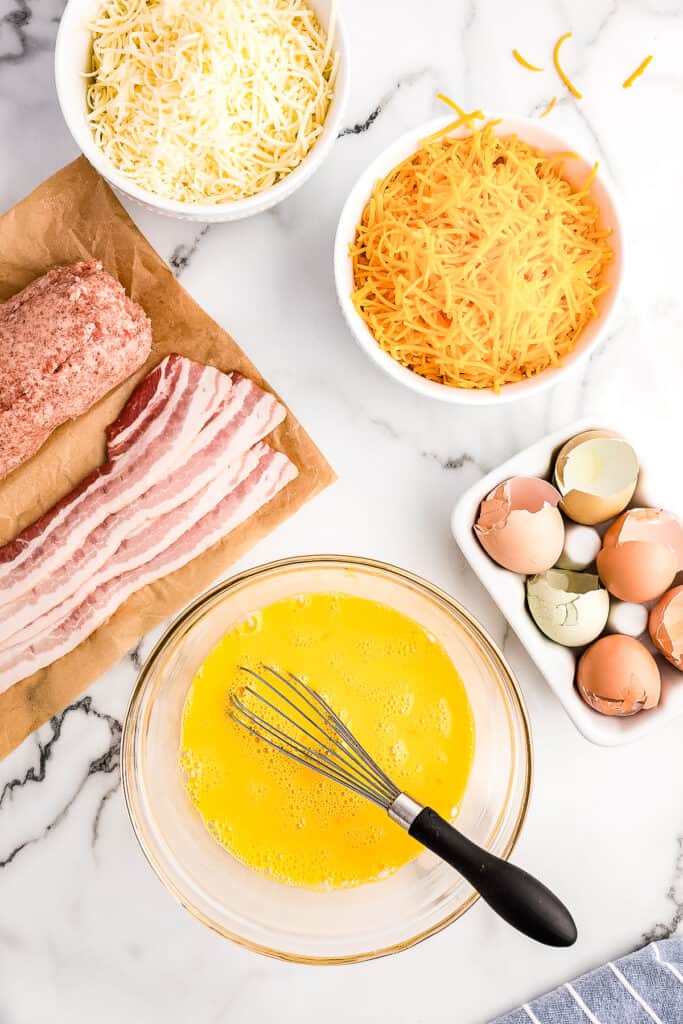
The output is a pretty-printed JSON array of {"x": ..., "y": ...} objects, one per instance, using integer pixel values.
[
  {"x": 525, "y": 63},
  {"x": 463, "y": 119},
  {"x": 466, "y": 119},
  {"x": 560, "y": 70},
  {"x": 637, "y": 73},
  {"x": 476, "y": 263},
  {"x": 208, "y": 101},
  {"x": 549, "y": 107}
]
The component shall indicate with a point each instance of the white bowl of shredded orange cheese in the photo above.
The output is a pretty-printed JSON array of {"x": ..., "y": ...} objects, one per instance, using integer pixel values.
[
  {"x": 479, "y": 267},
  {"x": 205, "y": 110}
]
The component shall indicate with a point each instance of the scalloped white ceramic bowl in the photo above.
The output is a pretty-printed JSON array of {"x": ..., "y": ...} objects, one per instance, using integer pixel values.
[
  {"x": 72, "y": 57},
  {"x": 576, "y": 172}
]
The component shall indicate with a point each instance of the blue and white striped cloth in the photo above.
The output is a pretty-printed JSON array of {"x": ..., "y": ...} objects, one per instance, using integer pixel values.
[{"x": 643, "y": 988}]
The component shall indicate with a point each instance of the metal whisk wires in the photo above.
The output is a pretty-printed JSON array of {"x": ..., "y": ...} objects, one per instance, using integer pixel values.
[{"x": 305, "y": 728}]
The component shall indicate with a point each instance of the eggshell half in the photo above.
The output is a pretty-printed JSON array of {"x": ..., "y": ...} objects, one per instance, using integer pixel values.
[
  {"x": 641, "y": 553},
  {"x": 617, "y": 675},
  {"x": 648, "y": 524},
  {"x": 637, "y": 571},
  {"x": 666, "y": 626},
  {"x": 520, "y": 526},
  {"x": 596, "y": 473},
  {"x": 571, "y": 608}
]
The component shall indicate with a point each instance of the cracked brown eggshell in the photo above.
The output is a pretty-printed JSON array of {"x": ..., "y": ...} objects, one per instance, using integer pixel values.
[
  {"x": 665, "y": 626},
  {"x": 596, "y": 474},
  {"x": 520, "y": 526},
  {"x": 641, "y": 554},
  {"x": 617, "y": 675}
]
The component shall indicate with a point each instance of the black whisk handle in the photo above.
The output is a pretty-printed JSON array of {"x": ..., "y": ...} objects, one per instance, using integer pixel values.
[{"x": 516, "y": 896}]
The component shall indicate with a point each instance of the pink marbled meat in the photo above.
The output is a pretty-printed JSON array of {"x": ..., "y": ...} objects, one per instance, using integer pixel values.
[{"x": 65, "y": 341}]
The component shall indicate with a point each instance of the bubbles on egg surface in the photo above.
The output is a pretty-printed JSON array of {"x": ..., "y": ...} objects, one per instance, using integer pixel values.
[
  {"x": 399, "y": 753},
  {"x": 400, "y": 703},
  {"x": 363, "y": 837},
  {"x": 253, "y": 623},
  {"x": 445, "y": 717},
  {"x": 257, "y": 789},
  {"x": 386, "y": 728},
  {"x": 192, "y": 769},
  {"x": 404, "y": 649},
  {"x": 299, "y": 638}
]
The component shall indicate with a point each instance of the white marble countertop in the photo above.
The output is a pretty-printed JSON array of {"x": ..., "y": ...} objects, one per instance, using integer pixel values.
[{"x": 86, "y": 931}]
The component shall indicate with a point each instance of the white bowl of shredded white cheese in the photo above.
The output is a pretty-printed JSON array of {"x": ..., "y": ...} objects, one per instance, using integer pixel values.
[{"x": 205, "y": 110}]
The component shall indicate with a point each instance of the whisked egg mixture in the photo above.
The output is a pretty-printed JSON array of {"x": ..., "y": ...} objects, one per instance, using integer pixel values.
[{"x": 394, "y": 686}]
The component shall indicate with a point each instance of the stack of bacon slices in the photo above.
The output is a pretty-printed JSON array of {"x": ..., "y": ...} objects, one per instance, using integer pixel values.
[{"x": 186, "y": 465}]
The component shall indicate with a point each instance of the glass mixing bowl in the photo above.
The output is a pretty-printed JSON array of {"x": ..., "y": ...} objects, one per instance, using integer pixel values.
[{"x": 285, "y": 921}]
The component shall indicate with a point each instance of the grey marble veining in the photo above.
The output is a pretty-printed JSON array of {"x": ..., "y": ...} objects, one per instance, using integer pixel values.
[
  {"x": 405, "y": 81},
  {"x": 86, "y": 931},
  {"x": 21, "y": 787},
  {"x": 179, "y": 260},
  {"x": 672, "y": 925}
]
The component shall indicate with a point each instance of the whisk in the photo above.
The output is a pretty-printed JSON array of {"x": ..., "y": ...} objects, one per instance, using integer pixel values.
[{"x": 305, "y": 728}]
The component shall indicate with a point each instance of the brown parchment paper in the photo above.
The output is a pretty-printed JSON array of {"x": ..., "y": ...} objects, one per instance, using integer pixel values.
[{"x": 73, "y": 216}]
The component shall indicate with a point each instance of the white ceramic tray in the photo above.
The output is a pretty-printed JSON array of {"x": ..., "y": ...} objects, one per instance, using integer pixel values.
[{"x": 507, "y": 589}]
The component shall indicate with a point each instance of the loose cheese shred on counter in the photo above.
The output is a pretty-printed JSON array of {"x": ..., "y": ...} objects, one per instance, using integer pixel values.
[
  {"x": 525, "y": 63},
  {"x": 206, "y": 101},
  {"x": 560, "y": 70},
  {"x": 637, "y": 73},
  {"x": 549, "y": 107},
  {"x": 476, "y": 263}
]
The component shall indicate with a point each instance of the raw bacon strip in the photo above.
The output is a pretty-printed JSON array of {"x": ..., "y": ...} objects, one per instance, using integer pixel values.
[
  {"x": 143, "y": 405},
  {"x": 273, "y": 472},
  {"x": 248, "y": 415},
  {"x": 149, "y": 540},
  {"x": 189, "y": 395}
]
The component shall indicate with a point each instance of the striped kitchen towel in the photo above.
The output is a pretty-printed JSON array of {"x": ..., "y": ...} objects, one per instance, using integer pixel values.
[{"x": 645, "y": 987}]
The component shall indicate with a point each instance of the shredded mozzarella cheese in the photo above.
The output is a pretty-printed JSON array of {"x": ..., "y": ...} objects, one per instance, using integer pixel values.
[{"x": 208, "y": 101}]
